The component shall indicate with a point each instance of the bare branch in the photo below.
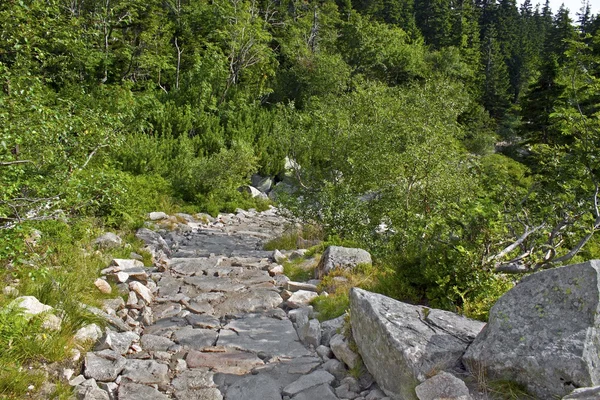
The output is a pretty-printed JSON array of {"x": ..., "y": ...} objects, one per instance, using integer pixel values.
[
  {"x": 6, "y": 163},
  {"x": 516, "y": 243},
  {"x": 92, "y": 155}
]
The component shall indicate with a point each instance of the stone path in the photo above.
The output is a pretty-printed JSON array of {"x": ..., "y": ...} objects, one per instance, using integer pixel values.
[{"x": 210, "y": 322}]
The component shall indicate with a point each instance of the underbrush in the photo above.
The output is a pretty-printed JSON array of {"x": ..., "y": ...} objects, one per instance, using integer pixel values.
[
  {"x": 298, "y": 237},
  {"x": 57, "y": 263},
  {"x": 299, "y": 270}
]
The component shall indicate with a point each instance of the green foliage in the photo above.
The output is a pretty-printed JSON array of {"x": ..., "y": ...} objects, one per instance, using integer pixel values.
[
  {"x": 298, "y": 271},
  {"x": 332, "y": 306}
]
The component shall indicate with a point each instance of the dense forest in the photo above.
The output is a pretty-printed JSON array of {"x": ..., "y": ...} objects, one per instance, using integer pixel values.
[{"x": 457, "y": 140}]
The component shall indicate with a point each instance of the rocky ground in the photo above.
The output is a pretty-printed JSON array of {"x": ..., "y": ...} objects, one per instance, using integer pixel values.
[{"x": 217, "y": 319}]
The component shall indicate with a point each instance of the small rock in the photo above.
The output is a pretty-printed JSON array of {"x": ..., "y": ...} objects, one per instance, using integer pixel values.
[
  {"x": 341, "y": 349},
  {"x": 344, "y": 392},
  {"x": 336, "y": 368},
  {"x": 119, "y": 342},
  {"x": 278, "y": 257},
  {"x": 324, "y": 352},
  {"x": 104, "y": 366},
  {"x": 30, "y": 306},
  {"x": 157, "y": 215},
  {"x": 136, "y": 391},
  {"x": 103, "y": 286},
  {"x": 77, "y": 380},
  {"x": 121, "y": 276},
  {"x": 301, "y": 298},
  {"x": 443, "y": 385},
  {"x": 132, "y": 299},
  {"x": 296, "y": 286},
  {"x": 115, "y": 304},
  {"x": 305, "y": 382},
  {"x": 146, "y": 371},
  {"x": 336, "y": 257},
  {"x": 108, "y": 241},
  {"x": 275, "y": 269},
  {"x": 156, "y": 343},
  {"x": 67, "y": 373},
  {"x": 10, "y": 291},
  {"x": 109, "y": 387},
  {"x": 88, "y": 333},
  {"x": 52, "y": 322},
  {"x": 142, "y": 291}
]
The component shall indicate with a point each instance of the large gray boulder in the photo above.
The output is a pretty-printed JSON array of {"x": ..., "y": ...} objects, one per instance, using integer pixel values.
[
  {"x": 544, "y": 333},
  {"x": 401, "y": 344},
  {"x": 341, "y": 257}
]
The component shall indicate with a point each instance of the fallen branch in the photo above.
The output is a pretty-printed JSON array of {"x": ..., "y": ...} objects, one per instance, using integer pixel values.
[{"x": 6, "y": 163}]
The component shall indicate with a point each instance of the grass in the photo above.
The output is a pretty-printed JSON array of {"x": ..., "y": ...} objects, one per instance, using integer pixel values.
[
  {"x": 508, "y": 390},
  {"x": 332, "y": 306},
  {"x": 298, "y": 270},
  {"x": 296, "y": 238},
  {"x": 59, "y": 269}
]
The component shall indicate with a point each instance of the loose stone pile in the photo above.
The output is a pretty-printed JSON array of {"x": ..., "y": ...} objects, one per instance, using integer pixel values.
[{"x": 216, "y": 319}]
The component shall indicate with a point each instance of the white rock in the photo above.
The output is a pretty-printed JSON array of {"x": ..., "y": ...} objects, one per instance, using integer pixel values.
[
  {"x": 108, "y": 241},
  {"x": 142, "y": 291},
  {"x": 121, "y": 277},
  {"x": 30, "y": 305},
  {"x": 278, "y": 257},
  {"x": 124, "y": 264},
  {"x": 52, "y": 322},
  {"x": 10, "y": 291},
  {"x": 132, "y": 299},
  {"x": 90, "y": 332},
  {"x": 276, "y": 270},
  {"x": 157, "y": 215},
  {"x": 103, "y": 286},
  {"x": 301, "y": 298},
  {"x": 67, "y": 373}
]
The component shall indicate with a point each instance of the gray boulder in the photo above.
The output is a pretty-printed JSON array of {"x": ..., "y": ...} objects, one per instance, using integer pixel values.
[
  {"x": 262, "y": 183},
  {"x": 544, "y": 333},
  {"x": 253, "y": 192},
  {"x": 588, "y": 393},
  {"x": 153, "y": 240},
  {"x": 401, "y": 344},
  {"x": 443, "y": 386},
  {"x": 341, "y": 257},
  {"x": 108, "y": 241}
]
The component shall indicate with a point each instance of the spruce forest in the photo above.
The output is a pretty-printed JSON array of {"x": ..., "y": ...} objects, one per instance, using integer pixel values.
[{"x": 457, "y": 140}]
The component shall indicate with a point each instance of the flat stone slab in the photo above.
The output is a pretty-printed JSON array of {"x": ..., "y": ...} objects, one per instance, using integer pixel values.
[
  {"x": 214, "y": 284},
  {"x": 134, "y": 391},
  {"x": 227, "y": 361},
  {"x": 195, "y": 338},
  {"x": 203, "y": 321},
  {"x": 146, "y": 371},
  {"x": 192, "y": 266},
  {"x": 259, "y": 386},
  {"x": 257, "y": 333},
  {"x": 248, "y": 302},
  {"x": 321, "y": 392},
  {"x": 305, "y": 382},
  {"x": 156, "y": 343},
  {"x": 196, "y": 384}
]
